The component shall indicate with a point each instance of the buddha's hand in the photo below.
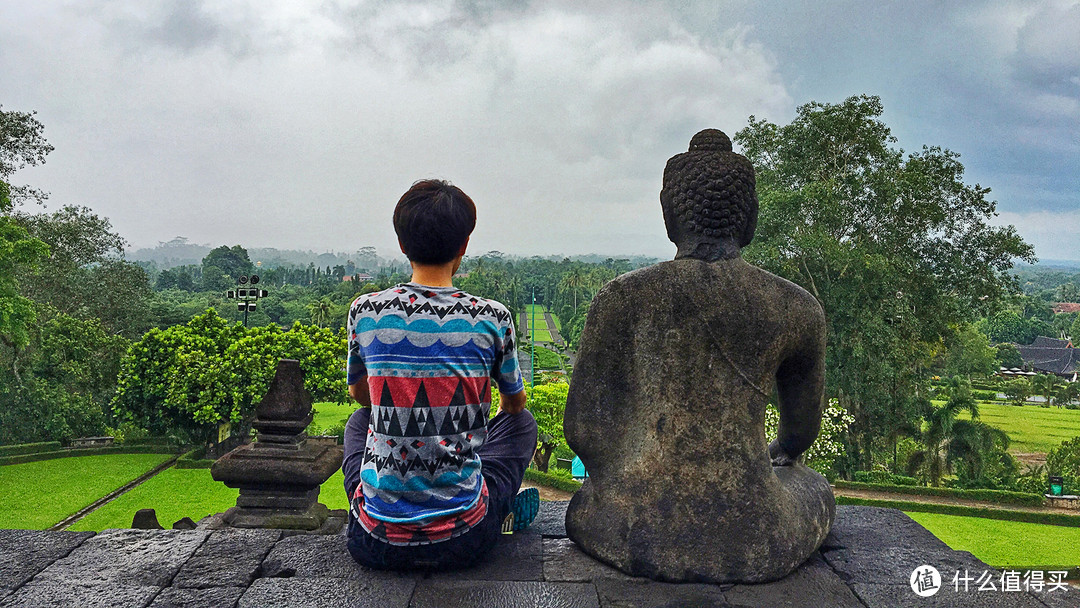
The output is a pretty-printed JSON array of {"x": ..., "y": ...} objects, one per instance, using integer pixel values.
[{"x": 778, "y": 456}]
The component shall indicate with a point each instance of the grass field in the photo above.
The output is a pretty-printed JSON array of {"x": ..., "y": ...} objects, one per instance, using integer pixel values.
[
  {"x": 178, "y": 493},
  {"x": 332, "y": 414},
  {"x": 545, "y": 359},
  {"x": 1006, "y": 544},
  {"x": 558, "y": 323},
  {"x": 540, "y": 335},
  {"x": 1031, "y": 428},
  {"x": 39, "y": 494},
  {"x": 539, "y": 310},
  {"x": 540, "y": 325}
]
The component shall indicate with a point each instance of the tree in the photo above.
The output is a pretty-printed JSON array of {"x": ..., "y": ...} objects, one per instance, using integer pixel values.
[
  {"x": 85, "y": 274},
  {"x": 1045, "y": 385},
  {"x": 1017, "y": 391},
  {"x": 968, "y": 353},
  {"x": 1064, "y": 460},
  {"x": 894, "y": 246},
  {"x": 547, "y": 402},
  {"x": 223, "y": 266},
  {"x": 1068, "y": 393},
  {"x": 187, "y": 378},
  {"x": 22, "y": 144},
  {"x": 947, "y": 440},
  {"x": 1008, "y": 356},
  {"x": 320, "y": 311}
]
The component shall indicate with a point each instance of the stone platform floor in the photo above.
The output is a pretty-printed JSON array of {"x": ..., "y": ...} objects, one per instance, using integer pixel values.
[{"x": 865, "y": 562}]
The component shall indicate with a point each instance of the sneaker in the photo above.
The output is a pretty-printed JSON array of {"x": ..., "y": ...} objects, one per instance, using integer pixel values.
[{"x": 526, "y": 506}]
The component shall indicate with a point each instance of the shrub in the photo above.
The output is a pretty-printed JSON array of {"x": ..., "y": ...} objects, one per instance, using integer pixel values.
[
  {"x": 1064, "y": 460},
  {"x": 984, "y": 395},
  {"x": 885, "y": 477},
  {"x": 127, "y": 433},
  {"x": 829, "y": 445}
]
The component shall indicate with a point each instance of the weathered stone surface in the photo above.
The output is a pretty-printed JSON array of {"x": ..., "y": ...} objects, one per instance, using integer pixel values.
[
  {"x": 229, "y": 558},
  {"x": 901, "y": 596},
  {"x": 24, "y": 553},
  {"x": 643, "y": 593},
  {"x": 564, "y": 562},
  {"x": 491, "y": 594},
  {"x": 681, "y": 358},
  {"x": 215, "y": 597},
  {"x": 551, "y": 519},
  {"x": 883, "y": 546},
  {"x": 62, "y": 594},
  {"x": 813, "y": 585},
  {"x": 307, "y": 556},
  {"x": 515, "y": 557},
  {"x": 328, "y": 593},
  {"x": 126, "y": 558},
  {"x": 1059, "y": 598},
  {"x": 146, "y": 519}
]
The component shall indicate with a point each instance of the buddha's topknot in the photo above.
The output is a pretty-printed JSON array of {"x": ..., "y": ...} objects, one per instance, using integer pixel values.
[{"x": 710, "y": 189}]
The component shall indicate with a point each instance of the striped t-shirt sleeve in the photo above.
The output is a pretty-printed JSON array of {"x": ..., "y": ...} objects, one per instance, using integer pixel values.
[
  {"x": 506, "y": 372},
  {"x": 354, "y": 367}
]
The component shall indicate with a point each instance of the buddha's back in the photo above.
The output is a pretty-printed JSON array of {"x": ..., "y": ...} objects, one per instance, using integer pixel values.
[{"x": 666, "y": 410}]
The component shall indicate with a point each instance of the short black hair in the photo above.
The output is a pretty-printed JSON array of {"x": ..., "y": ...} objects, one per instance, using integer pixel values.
[{"x": 433, "y": 219}]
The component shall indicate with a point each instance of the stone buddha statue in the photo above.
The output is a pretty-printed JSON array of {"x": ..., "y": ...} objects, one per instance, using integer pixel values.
[{"x": 676, "y": 364}]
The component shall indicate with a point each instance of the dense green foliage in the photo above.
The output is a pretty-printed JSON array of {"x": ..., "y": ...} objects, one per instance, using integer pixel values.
[
  {"x": 895, "y": 247},
  {"x": 189, "y": 378},
  {"x": 829, "y": 445},
  {"x": 1001, "y": 497},
  {"x": 40, "y": 494},
  {"x": 547, "y": 402},
  {"x": 1064, "y": 460},
  {"x": 552, "y": 481}
]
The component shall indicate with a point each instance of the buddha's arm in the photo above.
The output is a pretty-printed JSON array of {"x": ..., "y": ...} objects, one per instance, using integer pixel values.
[
  {"x": 600, "y": 377},
  {"x": 800, "y": 386}
]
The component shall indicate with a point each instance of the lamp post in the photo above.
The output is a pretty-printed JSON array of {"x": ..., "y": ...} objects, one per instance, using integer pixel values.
[
  {"x": 532, "y": 340},
  {"x": 246, "y": 297}
]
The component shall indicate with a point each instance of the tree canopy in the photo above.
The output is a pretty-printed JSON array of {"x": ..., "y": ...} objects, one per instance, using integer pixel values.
[{"x": 895, "y": 246}]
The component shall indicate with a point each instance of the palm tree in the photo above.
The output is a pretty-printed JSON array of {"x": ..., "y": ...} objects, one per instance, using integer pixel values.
[
  {"x": 320, "y": 311},
  {"x": 1045, "y": 384},
  {"x": 573, "y": 281},
  {"x": 1068, "y": 393},
  {"x": 947, "y": 441}
]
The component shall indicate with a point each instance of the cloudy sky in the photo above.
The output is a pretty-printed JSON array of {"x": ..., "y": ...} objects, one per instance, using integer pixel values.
[{"x": 297, "y": 124}]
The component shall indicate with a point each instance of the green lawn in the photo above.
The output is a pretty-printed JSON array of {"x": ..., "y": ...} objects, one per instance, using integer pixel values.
[
  {"x": 332, "y": 414},
  {"x": 539, "y": 310},
  {"x": 39, "y": 494},
  {"x": 540, "y": 335},
  {"x": 177, "y": 493},
  {"x": 1031, "y": 428},
  {"x": 540, "y": 324},
  {"x": 558, "y": 323},
  {"x": 1006, "y": 544},
  {"x": 545, "y": 359}
]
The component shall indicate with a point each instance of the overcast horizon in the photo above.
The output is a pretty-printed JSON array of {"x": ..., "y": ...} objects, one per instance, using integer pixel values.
[{"x": 297, "y": 125}]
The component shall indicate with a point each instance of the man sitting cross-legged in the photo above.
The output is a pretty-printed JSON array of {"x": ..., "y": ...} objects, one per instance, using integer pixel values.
[{"x": 429, "y": 477}]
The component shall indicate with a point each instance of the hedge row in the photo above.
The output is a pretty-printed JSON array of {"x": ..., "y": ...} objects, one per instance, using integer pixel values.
[
  {"x": 1031, "y": 517},
  {"x": 194, "y": 460},
  {"x": 69, "y": 452},
  {"x": 1001, "y": 497},
  {"x": 29, "y": 448},
  {"x": 552, "y": 481}
]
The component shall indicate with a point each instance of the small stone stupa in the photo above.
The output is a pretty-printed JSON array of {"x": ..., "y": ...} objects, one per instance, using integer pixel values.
[{"x": 279, "y": 474}]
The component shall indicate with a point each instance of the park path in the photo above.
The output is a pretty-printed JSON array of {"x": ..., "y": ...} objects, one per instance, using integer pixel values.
[
  {"x": 946, "y": 500},
  {"x": 556, "y": 337},
  {"x": 547, "y": 493}
]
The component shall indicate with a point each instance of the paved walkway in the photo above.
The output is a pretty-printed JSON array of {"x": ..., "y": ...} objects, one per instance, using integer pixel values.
[
  {"x": 865, "y": 563},
  {"x": 553, "y": 329}
]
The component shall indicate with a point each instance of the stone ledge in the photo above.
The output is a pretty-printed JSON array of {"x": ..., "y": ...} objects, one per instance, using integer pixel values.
[{"x": 865, "y": 562}]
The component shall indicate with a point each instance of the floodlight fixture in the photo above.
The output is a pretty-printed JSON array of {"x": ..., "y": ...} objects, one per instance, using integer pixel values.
[
  {"x": 254, "y": 279},
  {"x": 243, "y": 279}
]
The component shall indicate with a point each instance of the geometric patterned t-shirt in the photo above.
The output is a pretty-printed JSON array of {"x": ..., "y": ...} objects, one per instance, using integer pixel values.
[{"x": 429, "y": 354}]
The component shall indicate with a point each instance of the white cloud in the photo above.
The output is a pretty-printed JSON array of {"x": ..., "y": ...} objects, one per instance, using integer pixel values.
[
  {"x": 303, "y": 122},
  {"x": 1053, "y": 234}
]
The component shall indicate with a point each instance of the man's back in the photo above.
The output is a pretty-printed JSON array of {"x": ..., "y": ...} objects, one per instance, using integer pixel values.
[{"x": 429, "y": 354}]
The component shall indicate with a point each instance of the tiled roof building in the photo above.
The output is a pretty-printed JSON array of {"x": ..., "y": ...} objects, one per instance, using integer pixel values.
[{"x": 1051, "y": 356}]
